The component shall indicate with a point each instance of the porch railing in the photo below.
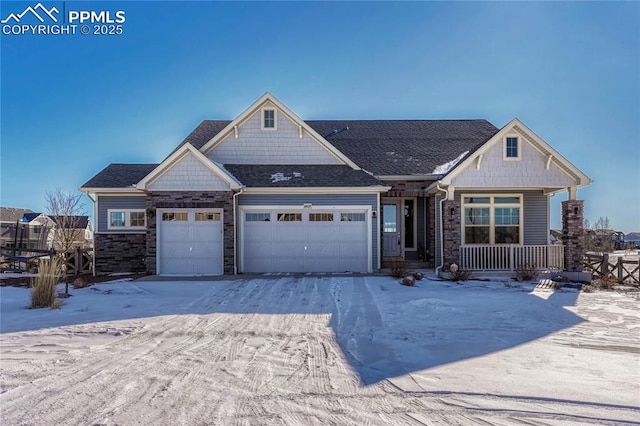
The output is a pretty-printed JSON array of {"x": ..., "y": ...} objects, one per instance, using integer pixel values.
[{"x": 508, "y": 258}]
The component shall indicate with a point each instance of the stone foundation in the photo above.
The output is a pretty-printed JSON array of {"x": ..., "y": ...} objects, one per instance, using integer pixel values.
[{"x": 119, "y": 253}]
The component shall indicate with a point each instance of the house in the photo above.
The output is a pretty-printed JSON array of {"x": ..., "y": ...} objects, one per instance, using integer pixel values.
[
  {"x": 24, "y": 229},
  {"x": 71, "y": 232},
  {"x": 271, "y": 192},
  {"x": 632, "y": 240}
]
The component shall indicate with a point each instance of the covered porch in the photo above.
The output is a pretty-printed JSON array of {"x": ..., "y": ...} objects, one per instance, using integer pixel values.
[{"x": 489, "y": 258}]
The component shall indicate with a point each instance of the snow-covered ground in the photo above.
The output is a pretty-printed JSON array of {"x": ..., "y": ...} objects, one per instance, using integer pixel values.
[{"x": 320, "y": 350}]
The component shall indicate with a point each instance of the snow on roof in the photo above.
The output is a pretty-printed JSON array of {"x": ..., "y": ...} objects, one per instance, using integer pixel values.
[{"x": 445, "y": 168}]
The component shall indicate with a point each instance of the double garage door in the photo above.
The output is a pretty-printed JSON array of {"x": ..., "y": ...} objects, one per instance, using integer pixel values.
[
  {"x": 190, "y": 242},
  {"x": 305, "y": 240}
]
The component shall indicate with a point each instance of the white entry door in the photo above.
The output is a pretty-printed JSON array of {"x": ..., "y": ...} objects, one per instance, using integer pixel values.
[
  {"x": 190, "y": 242},
  {"x": 391, "y": 230},
  {"x": 295, "y": 240}
]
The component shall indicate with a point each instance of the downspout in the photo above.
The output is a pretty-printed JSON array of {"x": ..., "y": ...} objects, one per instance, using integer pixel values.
[
  {"x": 446, "y": 197},
  {"x": 235, "y": 230},
  {"x": 95, "y": 229}
]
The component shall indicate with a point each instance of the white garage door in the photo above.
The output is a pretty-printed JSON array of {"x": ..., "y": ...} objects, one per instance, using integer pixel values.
[
  {"x": 190, "y": 242},
  {"x": 305, "y": 241}
]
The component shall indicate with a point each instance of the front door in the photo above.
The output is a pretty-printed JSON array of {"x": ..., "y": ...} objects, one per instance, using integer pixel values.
[{"x": 391, "y": 230}]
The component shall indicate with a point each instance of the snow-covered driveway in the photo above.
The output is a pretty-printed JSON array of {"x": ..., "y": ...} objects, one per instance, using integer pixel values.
[{"x": 320, "y": 350}]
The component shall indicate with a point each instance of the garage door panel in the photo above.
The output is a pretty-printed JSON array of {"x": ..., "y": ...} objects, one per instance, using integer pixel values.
[
  {"x": 288, "y": 264},
  {"x": 190, "y": 242},
  {"x": 322, "y": 232},
  {"x": 259, "y": 232},
  {"x": 324, "y": 265},
  {"x": 176, "y": 266},
  {"x": 352, "y": 265},
  {"x": 352, "y": 250},
  {"x": 323, "y": 249}
]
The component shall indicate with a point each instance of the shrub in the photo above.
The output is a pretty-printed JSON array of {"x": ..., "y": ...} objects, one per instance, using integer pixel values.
[
  {"x": 408, "y": 281},
  {"x": 606, "y": 282},
  {"x": 43, "y": 287},
  {"x": 526, "y": 272},
  {"x": 457, "y": 274},
  {"x": 398, "y": 268}
]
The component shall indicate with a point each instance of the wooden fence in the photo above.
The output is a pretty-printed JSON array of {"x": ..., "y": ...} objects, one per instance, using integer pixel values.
[
  {"x": 626, "y": 271},
  {"x": 78, "y": 261}
]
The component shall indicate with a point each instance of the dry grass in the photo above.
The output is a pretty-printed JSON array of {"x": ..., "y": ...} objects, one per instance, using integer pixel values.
[
  {"x": 43, "y": 287},
  {"x": 526, "y": 272}
]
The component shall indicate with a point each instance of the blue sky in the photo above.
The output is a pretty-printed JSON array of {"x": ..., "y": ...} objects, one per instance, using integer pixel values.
[{"x": 71, "y": 104}]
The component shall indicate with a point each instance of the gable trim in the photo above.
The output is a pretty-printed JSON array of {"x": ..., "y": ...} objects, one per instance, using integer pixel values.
[
  {"x": 304, "y": 128},
  {"x": 187, "y": 149},
  {"x": 516, "y": 126}
]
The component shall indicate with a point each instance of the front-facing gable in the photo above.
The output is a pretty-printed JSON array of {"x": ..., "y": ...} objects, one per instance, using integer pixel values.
[
  {"x": 534, "y": 164},
  {"x": 286, "y": 140},
  {"x": 188, "y": 170}
]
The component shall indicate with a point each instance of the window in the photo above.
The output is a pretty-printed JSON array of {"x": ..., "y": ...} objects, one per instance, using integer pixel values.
[
  {"x": 352, "y": 217},
  {"x": 511, "y": 148},
  {"x": 120, "y": 219},
  {"x": 207, "y": 217},
  {"x": 492, "y": 219},
  {"x": 289, "y": 217},
  {"x": 258, "y": 217},
  {"x": 174, "y": 217},
  {"x": 320, "y": 217},
  {"x": 137, "y": 218},
  {"x": 268, "y": 119}
]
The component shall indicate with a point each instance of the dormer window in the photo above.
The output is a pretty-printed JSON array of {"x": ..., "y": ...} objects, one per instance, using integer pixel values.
[
  {"x": 511, "y": 148},
  {"x": 268, "y": 119}
]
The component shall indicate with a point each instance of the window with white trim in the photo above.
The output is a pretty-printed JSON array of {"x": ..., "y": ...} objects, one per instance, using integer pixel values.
[
  {"x": 268, "y": 119},
  {"x": 492, "y": 219},
  {"x": 126, "y": 219},
  {"x": 511, "y": 148}
]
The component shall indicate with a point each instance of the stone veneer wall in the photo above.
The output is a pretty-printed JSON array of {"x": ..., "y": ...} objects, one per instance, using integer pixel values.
[
  {"x": 451, "y": 231},
  {"x": 194, "y": 200},
  {"x": 119, "y": 253},
  {"x": 431, "y": 232},
  {"x": 572, "y": 233}
]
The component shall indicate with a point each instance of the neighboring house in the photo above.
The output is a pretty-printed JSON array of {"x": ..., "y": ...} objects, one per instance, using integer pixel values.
[
  {"x": 72, "y": 232},
  {"x": 24, "y": 229},
  {"x": 270, "y": 192},
  {"x": 632, "y": 240}
]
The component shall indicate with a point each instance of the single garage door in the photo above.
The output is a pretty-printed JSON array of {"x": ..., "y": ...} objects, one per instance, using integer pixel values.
[
  {"x": 190, "y": 242},
  {"x": 305, "y": 241}
]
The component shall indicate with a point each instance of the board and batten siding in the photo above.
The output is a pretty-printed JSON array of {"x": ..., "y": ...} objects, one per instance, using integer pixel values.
[
  {"x": 298, "y": 200},
  {"x": 108, "y": 202},
  {"x": 280, "y": 146}
]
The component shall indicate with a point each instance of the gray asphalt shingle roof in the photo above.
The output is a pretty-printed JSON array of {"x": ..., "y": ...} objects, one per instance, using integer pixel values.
[
  {"x": 118, "y": 175},
  {"x": 13, "y": 214},
  {"x": 381, "y": 147},
  {"x": 387, "y": 147},
  {"x": 303, "y": 176}
]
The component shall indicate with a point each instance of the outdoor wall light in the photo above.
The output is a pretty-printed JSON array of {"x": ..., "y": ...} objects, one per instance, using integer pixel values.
[
  {"x": 374, "y": 214},
  {"x": 453, "y": 211},
  {"x": 576, "y": 210}
]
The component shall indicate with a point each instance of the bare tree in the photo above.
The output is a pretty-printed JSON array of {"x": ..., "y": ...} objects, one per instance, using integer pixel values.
[
  {"x": 66, "y": 210},
  {"x": 598, "y": 237}
]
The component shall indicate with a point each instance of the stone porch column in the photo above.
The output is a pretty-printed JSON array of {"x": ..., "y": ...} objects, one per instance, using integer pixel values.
[
  {"x": 572, "y": 233},
  {"x": 452, "y": 237}
]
